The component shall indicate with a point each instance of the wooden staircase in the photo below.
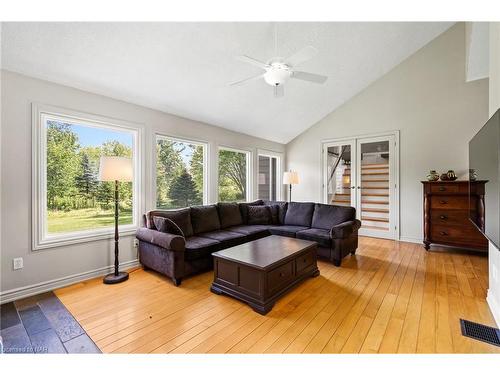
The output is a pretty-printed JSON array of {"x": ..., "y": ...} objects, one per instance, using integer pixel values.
[{"x": 374, "y": 193}]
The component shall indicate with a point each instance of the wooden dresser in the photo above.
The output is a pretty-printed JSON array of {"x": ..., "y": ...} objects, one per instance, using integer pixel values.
[{"x": 446, "y": 214}]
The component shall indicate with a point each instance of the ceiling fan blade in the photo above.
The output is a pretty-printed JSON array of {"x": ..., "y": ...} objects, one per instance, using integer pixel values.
[
  {"x": 243, "y": 81},
  {"x": 301, "y": 56},
  {"x": 251, "y": 60},
  {"x": 279, "y": 91},
  {"x": 310, "y": 77}
]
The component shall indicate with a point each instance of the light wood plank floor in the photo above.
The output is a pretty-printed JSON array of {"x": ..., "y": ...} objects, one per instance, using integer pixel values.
[{"x": 392, "y": 297}]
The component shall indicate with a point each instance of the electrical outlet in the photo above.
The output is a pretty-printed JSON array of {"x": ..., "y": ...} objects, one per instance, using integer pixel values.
[
  {"x": 17, "y": 263},
  {"x": 136, "y": 243}
]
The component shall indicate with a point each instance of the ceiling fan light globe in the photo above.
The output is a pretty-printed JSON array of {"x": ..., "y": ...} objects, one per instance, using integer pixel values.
[{"x": 275, "y": 77}]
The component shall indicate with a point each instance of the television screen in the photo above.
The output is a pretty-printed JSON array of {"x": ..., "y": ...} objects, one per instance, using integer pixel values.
[{"x": 484, "y": 165}]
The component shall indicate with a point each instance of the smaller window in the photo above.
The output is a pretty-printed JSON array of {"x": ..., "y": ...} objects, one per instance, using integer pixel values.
[
  {"x": 181, "y": 173},
  {"x": 234, "y": 172},
  {"x": 268, "y": 177}
]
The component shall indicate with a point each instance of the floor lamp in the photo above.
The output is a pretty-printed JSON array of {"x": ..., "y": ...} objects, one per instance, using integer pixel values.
[
  {"x": 115, "y": 168},
  {"x": 290, "y": 178}
]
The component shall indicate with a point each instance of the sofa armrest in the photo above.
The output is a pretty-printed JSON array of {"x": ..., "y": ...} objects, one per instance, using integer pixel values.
[
  {"x": 164, "y": 240},
  {"x": 345, "y": 229}
]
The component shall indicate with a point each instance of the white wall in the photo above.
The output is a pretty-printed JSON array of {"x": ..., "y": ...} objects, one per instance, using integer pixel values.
[
  {"x": 427, "y": 99},
  {"x": 18, "y": 92},
  {"x": 494, "y": 104}
]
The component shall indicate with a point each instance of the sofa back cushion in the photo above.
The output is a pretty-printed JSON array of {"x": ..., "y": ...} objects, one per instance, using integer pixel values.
[
  {"x": 259, "y": 215},
  {"x": 180, "y": 217},
  {"x": 299, "y": 213},
  {"x": 282, "y": 207},
  {"x": 204, "y": 219},
  {"x": 244, "y": 208},
  {"x": 327, "y": 216},
  {"x": 166, "y": 225},
  {"x": 229, "y": 214}
]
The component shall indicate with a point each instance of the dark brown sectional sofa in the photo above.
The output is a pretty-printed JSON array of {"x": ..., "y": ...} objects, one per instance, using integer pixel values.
[{"x": 180, "y": 243}]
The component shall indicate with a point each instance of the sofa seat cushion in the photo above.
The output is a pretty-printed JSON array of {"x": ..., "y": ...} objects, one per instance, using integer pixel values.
[
  {"x": 250, "y": 229},
  {"x": 229, "y": 214},
  {"x": 321, "y": 236},
  {"x": 227, "y": 238},
  {"x": 199, "y": 247},
  {"x": 326, "y": 216},
  {"x": 204, "y": 219},
  {"x": 299, "y": 213},
  {"x": 286, "y": 230}
]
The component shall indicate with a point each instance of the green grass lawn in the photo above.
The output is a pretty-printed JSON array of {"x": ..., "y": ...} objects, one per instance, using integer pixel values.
[{"x": 88, "y": 218}]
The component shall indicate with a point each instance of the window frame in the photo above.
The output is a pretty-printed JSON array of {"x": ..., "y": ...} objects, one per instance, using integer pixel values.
[
  {"x": 206, "y": 164},
  {"x": 249, "y": 171},
  {"x": 279, "y": 171},
  {"x": 41, "y": 239}
]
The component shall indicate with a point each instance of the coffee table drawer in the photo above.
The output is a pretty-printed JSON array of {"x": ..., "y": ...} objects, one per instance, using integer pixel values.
[
  {"x": 305, "y": 261},
  {"x": 279, "y": 276}
]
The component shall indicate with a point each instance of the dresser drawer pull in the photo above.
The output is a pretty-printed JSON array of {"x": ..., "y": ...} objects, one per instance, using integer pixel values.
[
  {"x": 282, "y": 274},
  {"x": 443, "y": 233},
  {"x": 443, "y": 202},
  {"x": 443, "y": 217},
  {"x": 442, "y": 188}
]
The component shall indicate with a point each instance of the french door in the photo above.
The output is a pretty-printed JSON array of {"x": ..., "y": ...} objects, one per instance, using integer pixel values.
[{"x": 362, "y": 173}]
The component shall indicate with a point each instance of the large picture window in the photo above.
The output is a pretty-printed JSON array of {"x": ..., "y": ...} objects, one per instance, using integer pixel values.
[
  {"x": 180, "y": 173},
  {"x": 234, "y": 172},
  {"x": 71, "y": 202}
]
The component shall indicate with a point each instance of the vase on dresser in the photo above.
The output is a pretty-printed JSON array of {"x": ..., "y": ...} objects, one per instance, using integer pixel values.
[{"x": 447, "y": 214}]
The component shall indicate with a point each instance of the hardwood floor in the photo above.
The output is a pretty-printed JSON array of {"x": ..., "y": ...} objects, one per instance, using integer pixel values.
[{"x": 392, "y": 297}]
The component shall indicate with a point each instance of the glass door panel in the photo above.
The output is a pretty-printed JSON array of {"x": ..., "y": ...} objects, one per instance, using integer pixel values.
[
  {"x": 375, "y": 191},
  {"x": 267, "y": 177},
  {"x": 339, "y": 179}
]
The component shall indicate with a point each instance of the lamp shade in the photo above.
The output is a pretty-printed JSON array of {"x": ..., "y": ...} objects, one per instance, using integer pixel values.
[
  {"x": 290, "y": 178},
  {"x": 115, "y": 168}
]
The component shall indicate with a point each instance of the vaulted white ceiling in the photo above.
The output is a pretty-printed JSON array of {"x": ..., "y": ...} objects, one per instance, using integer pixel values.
[{"x": 185, "y": 68}]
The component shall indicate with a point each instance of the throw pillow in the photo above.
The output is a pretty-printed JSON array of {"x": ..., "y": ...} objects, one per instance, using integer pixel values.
[
  {"x": 259, "y": 215},
  {"x": 275, "y": 213},
  {"x": 166, "y": 225}
]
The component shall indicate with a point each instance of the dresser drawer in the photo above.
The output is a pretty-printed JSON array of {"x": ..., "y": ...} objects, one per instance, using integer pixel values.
[
  {"x": 450, "y": 217},
  {"x": 279, "y": 276},
  {"x": 467, "y": 235},
  {"x": 450, "y": 202},
  {"x": 445, "y": 189}
]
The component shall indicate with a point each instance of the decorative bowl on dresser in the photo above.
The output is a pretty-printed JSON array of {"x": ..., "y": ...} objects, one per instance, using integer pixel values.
[{"x": 446, "y": 214}]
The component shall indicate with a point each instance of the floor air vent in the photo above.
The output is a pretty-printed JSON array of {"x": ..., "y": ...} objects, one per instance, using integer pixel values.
[{"x": 480, "y": 332}]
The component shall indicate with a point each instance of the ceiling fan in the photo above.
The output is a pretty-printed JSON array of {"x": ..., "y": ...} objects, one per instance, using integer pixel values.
[{"x": 278, "y": 70}]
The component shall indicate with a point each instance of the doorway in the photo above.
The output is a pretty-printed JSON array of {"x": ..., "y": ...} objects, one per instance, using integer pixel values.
[{"x": 362, "y": 172}]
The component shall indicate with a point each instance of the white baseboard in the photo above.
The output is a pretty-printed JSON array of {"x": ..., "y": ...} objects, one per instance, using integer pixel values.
[
  {"x": 411, "y": 239},
  {"x": 46, "y": 286},
  {"x": 494, "y": 307}
]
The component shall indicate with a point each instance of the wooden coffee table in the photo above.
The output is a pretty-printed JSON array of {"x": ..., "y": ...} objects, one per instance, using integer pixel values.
[{"x": 261, "y": 271}]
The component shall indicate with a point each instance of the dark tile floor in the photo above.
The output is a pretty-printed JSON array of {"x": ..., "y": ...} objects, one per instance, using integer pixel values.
[{"x": 41, "y": 324}]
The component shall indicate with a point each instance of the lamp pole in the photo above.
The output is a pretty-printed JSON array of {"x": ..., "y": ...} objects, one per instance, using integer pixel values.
[{"x": 116, "y": 227}]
